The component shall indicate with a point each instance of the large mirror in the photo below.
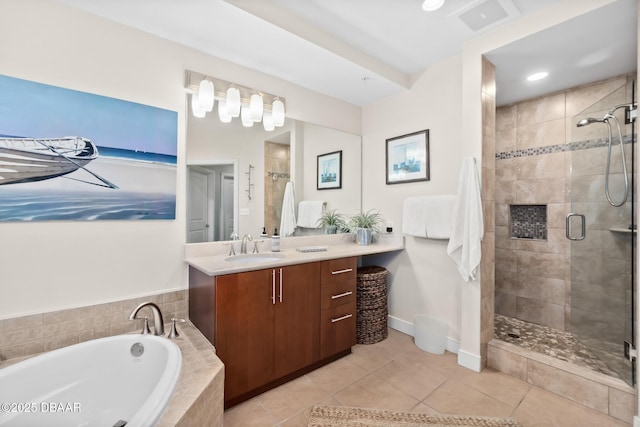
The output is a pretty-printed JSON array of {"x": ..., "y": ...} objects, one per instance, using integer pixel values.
[{"x": 236, "y": 176}]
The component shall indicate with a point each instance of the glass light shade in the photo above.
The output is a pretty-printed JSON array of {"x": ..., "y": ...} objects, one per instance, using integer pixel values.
[
  {"x": 256, "y": 107},
  {"x": 233, "y": 102},
  {"x": 223, "y": 112},
  {"x": 277, "y": 112},
  {"x": 206, "y": 95},
  {"x": 431, "y": 5},
  {"x": 195, "y": 107},
  {"x": 245, "y": 116},
  {"x": 267, "y": 122}
]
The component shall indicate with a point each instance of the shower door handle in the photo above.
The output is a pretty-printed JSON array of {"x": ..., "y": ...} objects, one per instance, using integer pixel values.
[{"x": 583, "y": 226}]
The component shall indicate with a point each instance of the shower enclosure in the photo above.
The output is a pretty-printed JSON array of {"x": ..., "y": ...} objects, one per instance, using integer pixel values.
[
  {"x": 566, "y": 226},
  {"x": 602, "y": 227}
]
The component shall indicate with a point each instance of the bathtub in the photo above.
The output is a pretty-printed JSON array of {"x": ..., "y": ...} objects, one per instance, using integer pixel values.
[{"x": 125, "y": 380}]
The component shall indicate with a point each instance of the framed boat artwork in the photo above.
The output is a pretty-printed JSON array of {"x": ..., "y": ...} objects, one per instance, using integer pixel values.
[{"x": 71, "y": 155}]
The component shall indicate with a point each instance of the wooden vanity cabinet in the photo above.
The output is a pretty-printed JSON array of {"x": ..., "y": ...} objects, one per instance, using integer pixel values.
[{"x": 271, "y": 325}]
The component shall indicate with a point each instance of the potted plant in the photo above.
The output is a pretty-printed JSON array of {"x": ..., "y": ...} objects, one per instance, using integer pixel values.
[
  {"x": 364, "y": 225},
  {"x": 332, "y": 221}
]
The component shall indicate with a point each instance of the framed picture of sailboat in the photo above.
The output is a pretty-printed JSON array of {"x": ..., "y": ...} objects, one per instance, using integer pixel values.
[
  {"x": 330, "y": 171},
  {"x": 71, "y": 155}
]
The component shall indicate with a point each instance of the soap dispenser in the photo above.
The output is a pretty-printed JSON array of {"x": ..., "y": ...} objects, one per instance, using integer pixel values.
[
  {"x": 264, "y": 232},
  {"x": 275, "y": 242}
]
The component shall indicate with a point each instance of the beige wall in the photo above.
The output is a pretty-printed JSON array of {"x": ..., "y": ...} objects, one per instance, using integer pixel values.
[{"x": 46, "y": 42}]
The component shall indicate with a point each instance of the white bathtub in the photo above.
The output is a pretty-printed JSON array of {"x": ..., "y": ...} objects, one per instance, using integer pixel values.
[{"x": 95, "y": 383}]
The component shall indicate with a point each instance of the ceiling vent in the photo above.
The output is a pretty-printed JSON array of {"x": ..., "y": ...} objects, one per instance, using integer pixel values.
[{"x": 478, "y": 16}]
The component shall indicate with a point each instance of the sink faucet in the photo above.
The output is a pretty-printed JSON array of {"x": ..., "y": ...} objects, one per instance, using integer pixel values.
[
  {"x": 158, "y": 322},
  {"x": 243, "y": 244}
]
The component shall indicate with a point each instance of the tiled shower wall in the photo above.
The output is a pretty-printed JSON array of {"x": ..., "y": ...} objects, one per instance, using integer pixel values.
[
  {"x": 536, "y": 141},
  {"x": 276, "y": 159}
]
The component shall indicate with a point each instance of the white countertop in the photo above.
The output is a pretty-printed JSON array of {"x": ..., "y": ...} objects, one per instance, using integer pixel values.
[{"x": 209, "y": 258}]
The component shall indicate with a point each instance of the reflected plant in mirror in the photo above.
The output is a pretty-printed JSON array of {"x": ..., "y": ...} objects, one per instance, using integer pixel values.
[{"x": 332, "y": 222}]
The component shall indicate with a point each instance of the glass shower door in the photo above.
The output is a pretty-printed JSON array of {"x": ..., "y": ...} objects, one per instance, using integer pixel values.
[{"x": 602, "y": 236}]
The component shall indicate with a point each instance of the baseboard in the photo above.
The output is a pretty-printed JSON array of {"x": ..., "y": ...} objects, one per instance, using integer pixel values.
[
  {"x": 470, "y": 361},
  {"x": 408, "y": 328}
]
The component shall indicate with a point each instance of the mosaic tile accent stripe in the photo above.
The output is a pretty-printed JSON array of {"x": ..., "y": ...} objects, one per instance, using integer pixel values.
[{"x": 558, "y": 148}]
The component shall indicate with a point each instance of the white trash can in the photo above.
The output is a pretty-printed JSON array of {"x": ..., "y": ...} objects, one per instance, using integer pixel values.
[{"x": 431, "y": 334}]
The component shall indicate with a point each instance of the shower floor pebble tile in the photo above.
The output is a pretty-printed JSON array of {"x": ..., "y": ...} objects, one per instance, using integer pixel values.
[{"x": 545, "y": 340}]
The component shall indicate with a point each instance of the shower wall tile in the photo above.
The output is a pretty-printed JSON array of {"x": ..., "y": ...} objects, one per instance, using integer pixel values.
[
  {"x": 541, "y": 134},
  {"x": 507, "y": 259},
  {"x": 541, "y": 191},
  {"x": 508, "y": 170},
  {"x": 504, "y": 240},
  {"x": 597, "y": 325},
  {"x": 505, "y": 304},
  {"x": 541, "y": 109},
  {"x": 582, "y": 97},
  {"x": 488, "y": 184},
  {"x": 506, "y": 118},
  {"x": 507, "y": 282},
  {"x": 556, "y": 242},
  {"x": 556, "y": 214},
  {"x": 544, "y": 166},
  {"x": 506, "y": 192},
  {"x": 542, "y": 289},
  {"x": 506, "y": 139},
  {"x": 595, "y": 297},
  {"x": 507, "y": 362},
  {"x": 502, "y": 213},
  {"x": 489, "y": 215},
  {"x": 540, "y": 312},
  {"x": 553, "y": 266}
]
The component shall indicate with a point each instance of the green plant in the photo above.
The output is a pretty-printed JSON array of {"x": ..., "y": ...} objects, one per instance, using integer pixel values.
[
  {"x": 368, "y": 219},
  {"x": 332, "y": 218}
]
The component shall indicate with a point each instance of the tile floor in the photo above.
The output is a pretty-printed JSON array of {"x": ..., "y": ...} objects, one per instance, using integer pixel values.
[{"x": 396, "y": 375}]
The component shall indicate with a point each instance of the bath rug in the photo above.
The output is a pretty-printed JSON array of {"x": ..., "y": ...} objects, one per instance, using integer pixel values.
[{"x": 344, "y": 416}]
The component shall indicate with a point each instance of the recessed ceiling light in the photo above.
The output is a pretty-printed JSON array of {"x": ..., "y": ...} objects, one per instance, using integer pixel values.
[
  {"x": 537, "y": 76},
  {"x": 431, "y": 5}
]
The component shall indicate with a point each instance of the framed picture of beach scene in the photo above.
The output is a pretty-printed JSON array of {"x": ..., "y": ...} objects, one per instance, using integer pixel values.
[
  {"x": 330, "y": 171},
  {"x": 71, "y": 155},
  {"x": 407, "y": 158}
]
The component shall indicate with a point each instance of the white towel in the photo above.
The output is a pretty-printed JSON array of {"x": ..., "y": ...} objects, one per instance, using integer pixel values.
[
  {"x": 288, "y": 216},
  {"x": 428, "y": 216},
  {"x": 467, "y": 222},
  {"x": 310, "y": 212}
]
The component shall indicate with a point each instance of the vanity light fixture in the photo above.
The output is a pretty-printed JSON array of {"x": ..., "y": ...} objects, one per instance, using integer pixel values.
[
  {"x": 267, "y": 121},
  {"x": 233, "y": 102},
  {"x": 245, "y": 116},
  {"x": 537, "y": 76},
  {"x": 196, "y": 108},
  {"x": 432, "y": 5},
  {"x": 277, "y": 112},
  {"x": 223, "y": 112},
  {"x": 256, "y": 107},
  {"x": 206, "y": 94}
]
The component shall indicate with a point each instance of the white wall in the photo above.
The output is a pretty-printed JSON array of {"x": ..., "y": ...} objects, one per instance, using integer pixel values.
[
  {"x": 48, "y": 266},
  {"x": 423, "y": 279}
]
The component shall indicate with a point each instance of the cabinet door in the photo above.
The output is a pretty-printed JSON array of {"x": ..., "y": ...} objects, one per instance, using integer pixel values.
[
  {"x": 338, "y": 329},
  {"x": 297, "y": 317},
  {"x": 244, "y": 337}
]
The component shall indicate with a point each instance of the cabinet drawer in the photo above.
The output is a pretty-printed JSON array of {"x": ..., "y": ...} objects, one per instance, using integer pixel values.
[
  {"x": 339, "y": 270},
  {"x": 335, "y": 294},
  {"x": 338, "y": 329}
]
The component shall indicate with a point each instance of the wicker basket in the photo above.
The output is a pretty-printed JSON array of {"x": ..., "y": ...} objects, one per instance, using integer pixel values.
[{"x": 371, "y": 313}]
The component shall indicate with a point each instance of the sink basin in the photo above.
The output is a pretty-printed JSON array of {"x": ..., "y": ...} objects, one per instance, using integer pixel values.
[{"x": 253, "y": 258}]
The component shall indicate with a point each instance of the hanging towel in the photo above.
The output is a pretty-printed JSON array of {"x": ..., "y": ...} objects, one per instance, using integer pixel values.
[
  {"x": 428, "y": 216},
  {"x": 288, "y": 217},
  {"x": 310, "y": 212},
  {"x": 467, "y": 222}
]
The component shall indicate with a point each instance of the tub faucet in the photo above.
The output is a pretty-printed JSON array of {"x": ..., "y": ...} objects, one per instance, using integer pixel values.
[
  {"x": 243, "y": 244},
  {"x": 158, "y": 322}
]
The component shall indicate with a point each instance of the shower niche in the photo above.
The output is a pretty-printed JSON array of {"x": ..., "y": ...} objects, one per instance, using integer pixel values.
[{"x": 528, "y": 222}]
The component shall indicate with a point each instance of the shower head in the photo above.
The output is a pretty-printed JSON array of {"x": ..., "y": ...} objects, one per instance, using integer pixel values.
[{"x": 589, "y": 120}]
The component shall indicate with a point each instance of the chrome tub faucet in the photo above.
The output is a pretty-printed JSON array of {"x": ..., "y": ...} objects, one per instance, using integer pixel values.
[{"x": 158, "y": 321}]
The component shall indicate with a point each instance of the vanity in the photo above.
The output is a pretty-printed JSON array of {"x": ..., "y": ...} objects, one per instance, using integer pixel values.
[{"x": 275, "y": 317}]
